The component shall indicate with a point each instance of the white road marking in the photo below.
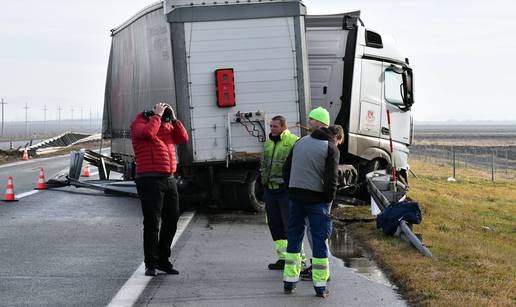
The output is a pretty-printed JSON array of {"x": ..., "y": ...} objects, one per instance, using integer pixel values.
[
  {"x": 134, "y": 286},
  {"x": 25, "y": 194}
]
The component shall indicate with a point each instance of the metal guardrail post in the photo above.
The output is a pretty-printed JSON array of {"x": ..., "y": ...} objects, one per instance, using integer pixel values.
[
  {"x": 453, "y": 154},
  {"x": 493, "y": 166}
]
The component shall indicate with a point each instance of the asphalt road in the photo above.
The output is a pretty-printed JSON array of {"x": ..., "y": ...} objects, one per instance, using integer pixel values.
[
  {"x": 66, "y": 247},
  {"x": 76, "y": 247}
]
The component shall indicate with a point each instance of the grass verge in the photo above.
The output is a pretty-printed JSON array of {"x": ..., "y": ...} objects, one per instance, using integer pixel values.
[{"x": 470, "y": 227}]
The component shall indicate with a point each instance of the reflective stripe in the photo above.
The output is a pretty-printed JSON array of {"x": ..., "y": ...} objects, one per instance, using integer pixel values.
[
  {"x": 290, "y": 279},
  {"x": 320, "y": 271},
  {"x": 292, "y": 267},
  {"x": 319, "y": 267},
  {"x": 281, "y": 248}
]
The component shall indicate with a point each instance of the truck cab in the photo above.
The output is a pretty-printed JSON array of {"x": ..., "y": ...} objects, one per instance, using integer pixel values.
[{"x": 359, "y": 74}]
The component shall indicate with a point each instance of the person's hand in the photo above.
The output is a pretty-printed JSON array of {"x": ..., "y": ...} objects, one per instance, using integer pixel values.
[
  {"x": 159, "y": 108},
  {"x": 173, "y": 117}
]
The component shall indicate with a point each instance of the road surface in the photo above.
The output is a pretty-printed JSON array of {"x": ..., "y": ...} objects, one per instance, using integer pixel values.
[{"x": 76, "y": 247}]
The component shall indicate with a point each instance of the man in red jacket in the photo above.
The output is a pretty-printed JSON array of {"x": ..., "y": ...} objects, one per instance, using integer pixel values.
[{"x": 154, "y": 134}]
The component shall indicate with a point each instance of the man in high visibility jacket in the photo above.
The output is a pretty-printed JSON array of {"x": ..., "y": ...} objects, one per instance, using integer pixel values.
[
  {"x": 311, "y": 174},
  {"x": 275, "y": 152}
]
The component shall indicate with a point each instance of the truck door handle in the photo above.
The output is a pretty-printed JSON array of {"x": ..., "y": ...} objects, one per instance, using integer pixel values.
[
  {"x": 324, "y": 90},
  {"x": 385, "y": 130}
]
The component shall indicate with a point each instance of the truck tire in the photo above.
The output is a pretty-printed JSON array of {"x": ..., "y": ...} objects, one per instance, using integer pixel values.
[
  {"x": 247, "y": 193},
  {"x": 373, "y": 165}
]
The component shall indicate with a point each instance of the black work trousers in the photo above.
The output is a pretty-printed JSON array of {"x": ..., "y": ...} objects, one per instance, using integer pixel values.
[
  {"x": 160, "y": 203},
  {"x": 276, "y": 206}
]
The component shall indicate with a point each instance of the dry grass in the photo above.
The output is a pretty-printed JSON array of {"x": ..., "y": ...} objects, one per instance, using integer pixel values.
[
  {"x": 470, "y": 173},
  {"x": 470, "y": 227}
]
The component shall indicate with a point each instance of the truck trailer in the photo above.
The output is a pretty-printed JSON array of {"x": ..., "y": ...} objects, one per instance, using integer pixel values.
[{"x": 228, "y": 68}]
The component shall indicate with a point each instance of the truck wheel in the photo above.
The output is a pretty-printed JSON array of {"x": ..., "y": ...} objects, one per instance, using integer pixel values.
[
  {"x": 373, "y": 165},
  {"x": 247, "y": 193}
]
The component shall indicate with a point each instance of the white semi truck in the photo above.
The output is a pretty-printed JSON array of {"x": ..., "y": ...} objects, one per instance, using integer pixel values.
[{"x": 227, "y": 68}]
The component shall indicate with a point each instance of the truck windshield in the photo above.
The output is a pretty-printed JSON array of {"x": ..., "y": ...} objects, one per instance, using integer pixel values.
[{"x": 394, "y": 87}]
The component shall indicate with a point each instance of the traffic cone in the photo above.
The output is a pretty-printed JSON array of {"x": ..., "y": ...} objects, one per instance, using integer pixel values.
[
  {"x": 41, "y": 181},
  {"x": 86, "y": 172},
  {"x": 9, "y": 191},
  {"x": 25, "y": 154}
]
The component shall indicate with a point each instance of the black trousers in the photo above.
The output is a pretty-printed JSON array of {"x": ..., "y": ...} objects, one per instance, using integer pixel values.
[
  {"x": 160, "y": 203},
  {"x": 277, "y": 206}
]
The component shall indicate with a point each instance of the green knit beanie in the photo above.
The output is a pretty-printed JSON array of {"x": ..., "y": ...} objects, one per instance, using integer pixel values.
[{"x": 320, "y": 114}]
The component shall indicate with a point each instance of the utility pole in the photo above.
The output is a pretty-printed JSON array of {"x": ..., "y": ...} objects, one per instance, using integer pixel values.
[
  {"x": 45, "y": 109},
  {"x": 3, "y": 103},
  {"x": 81, "y": 117},
  {"x": 59, "y": 118},
  {"x": 90, "y": 120},
  {"x": 71, "y": 124},
  {"x": 26, "y": 119}
]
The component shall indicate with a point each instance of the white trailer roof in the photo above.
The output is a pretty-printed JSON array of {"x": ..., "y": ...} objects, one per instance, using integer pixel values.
[{"x": 171, "y": 4}]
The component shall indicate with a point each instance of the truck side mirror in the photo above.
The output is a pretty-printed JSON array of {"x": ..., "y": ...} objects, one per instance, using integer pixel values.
[{"x": 408, "y": 87}]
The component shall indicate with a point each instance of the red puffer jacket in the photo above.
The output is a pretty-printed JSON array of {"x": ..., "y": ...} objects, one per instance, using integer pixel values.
[{"x": 153, "y": 144}]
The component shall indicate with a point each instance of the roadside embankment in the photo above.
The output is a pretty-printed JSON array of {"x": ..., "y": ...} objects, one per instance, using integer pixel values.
[
  {"x": 8, "y": 156},
  {"x": 470, "y": 227}
]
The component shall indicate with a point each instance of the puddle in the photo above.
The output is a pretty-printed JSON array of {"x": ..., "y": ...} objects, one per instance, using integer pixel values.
[
  {"x": 235, "y": 218},
  {"x": 353, "y": 256}
]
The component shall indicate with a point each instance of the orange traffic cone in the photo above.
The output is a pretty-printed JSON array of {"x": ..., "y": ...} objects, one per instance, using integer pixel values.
[
  {"x": 41, "y": 181},
  {"x": 9, "y": 191},
  {"x": 86, "y": 172},
  {"x": 25, "y": 154}
]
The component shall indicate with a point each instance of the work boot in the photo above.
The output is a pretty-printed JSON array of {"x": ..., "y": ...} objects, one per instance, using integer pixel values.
[
  {"x": 324, "y": 293},
  {"x": 289, "y": 287},
  {"x": 278, "y": 265},
  {"x": 167, "y": 268},
  {"x": 306, "y": 274},
  {"x": 150, "y": 272}
]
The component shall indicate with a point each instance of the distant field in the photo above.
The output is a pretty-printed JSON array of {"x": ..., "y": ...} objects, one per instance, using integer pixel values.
[
  {"x": 17, "y": 131},
  {"x": 489, "y": 148},
  {"x": 462, "y": 135}
]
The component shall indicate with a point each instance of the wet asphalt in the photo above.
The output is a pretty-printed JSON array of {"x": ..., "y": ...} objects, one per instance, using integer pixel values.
[
  {"x": 66, "y": 247},
  {"x": 223, "y": 262}
]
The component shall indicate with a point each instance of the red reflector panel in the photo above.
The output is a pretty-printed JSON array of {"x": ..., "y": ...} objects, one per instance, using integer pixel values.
[{"x": 225, "y": 83}]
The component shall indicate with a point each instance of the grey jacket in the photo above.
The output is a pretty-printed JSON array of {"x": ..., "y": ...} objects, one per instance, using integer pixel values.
[{"x": 310, "y": 171}]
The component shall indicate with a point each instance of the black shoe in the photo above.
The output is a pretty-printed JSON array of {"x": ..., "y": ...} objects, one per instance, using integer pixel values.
[
  {"x": 288, "y": 290},
  {"x": 322, "y": 294},
  {"x": 150, "y": 272},
  {"x": 306, "y": 274},
  {"x": 167, "y": 268},
  {"x": 278, "y": 265}
]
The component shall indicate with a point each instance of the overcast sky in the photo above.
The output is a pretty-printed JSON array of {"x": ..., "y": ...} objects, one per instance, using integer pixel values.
[{"x": 55, "y": 52}]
